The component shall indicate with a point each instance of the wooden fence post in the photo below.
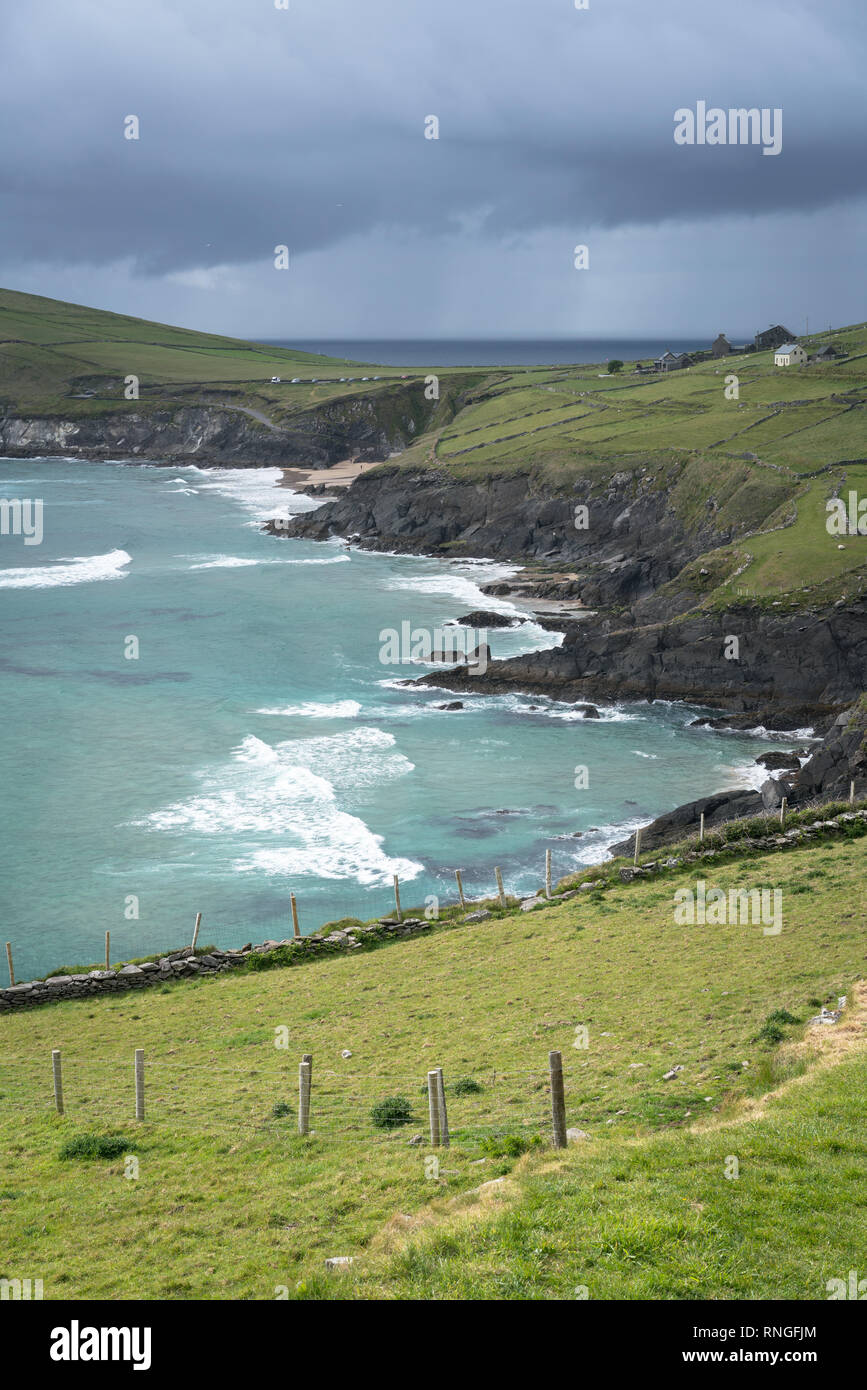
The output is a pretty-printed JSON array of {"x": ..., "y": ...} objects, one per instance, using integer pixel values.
[
  {"x": 433, "y": 1105},
  {"x": 9, "y": 962},
  {"x": 308, "y": 1058},
  {"x": 196, "y": 929},
  {"x": 558, "y": 1100},
  {"x": 637, "y": 845},
  {"x": 441, "y": 1101},
  {"x": 461, "y": 889},
  {"x": 397, "y": 898},
  {"x": 701, "y": 828},
  {"x": 547, "y": 873},
  {"x": 500, "y": 889},
  {"x": 139, "y": 1084},
  {"x": 108, "y": 950},
  {"x": 304, "y": 1075},
  {"x": 852, "y": 792},
  {"x": 296, "y": 930},
  {"x": 783, "y": 804},
  {"x": 58, "y": 1080}
]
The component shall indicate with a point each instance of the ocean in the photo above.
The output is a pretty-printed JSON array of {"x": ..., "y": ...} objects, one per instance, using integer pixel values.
[{"x": 196, "y": 718}]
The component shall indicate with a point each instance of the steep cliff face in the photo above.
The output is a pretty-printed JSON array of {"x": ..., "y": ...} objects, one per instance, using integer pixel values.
[
  {"x": 633, "y": 542},
  {"x": 652, "y": 642},
  {"x": 375, "y": 424}
]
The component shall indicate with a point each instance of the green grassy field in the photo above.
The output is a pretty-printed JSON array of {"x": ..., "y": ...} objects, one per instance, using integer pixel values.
[
  {"x": 230, "y": 1202},
  {"x": 51, "y": 352},
  {"x": 802, "y": 418},
  {"x": 769, "y": 459}
]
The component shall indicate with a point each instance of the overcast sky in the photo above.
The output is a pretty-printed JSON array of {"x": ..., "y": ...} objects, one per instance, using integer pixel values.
[{"x": 306, "y": 127}]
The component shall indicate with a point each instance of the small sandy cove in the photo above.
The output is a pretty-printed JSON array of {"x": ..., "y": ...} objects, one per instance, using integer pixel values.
[{"x": 338, "y": 475}]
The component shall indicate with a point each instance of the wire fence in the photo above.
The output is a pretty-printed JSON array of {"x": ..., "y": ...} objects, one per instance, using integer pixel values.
[{"x": 213, "y": 1097}]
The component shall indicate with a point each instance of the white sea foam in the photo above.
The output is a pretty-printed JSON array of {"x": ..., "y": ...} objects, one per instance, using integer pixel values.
[
  {"x": 453, "y": 584},
  {"x": 403, "y": 711},
  {"x": 807, "y": 734},
  {"x": 340, "y": 709},
  {"x": 182, "y": 489},
  {"x": 257, "y": 490},
  {"x": 595, "y": 845},
  {"x": 274, "y": 796},
  {"x": 743, "y": 775},
  {"x": 401, "y": 683},
  {"x": 780, "y": 735},
  {"x": 228, "y": 562},
  {"x": 224, "y": 562},
  {"x": 543, "y": 706},
  {"x": 76, "y": 569}
]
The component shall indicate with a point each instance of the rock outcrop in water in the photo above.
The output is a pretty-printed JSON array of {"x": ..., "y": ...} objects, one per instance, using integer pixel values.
[{"x": 784, "y": 678}]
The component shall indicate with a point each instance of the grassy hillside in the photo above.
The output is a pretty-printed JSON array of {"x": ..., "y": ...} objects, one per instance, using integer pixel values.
[
  {"x": 231, "y": 1202},
  {"x": 667, "y": 1218},
  {"x": 767, "y": 460},
  {"x": 51, "y": 353},
  {"x": 763, "y": 464},
  {"x": 798, "y": 418}
]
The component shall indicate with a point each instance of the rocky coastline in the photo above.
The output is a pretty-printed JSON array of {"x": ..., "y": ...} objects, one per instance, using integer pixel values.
[
  {"x": 629, "y": 632},
  {"x": 626, "y": 595},
  {"x": 218, "y": 432}
]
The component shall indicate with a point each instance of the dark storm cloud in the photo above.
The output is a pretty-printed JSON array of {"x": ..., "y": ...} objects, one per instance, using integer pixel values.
[{"x": 260, "y": 126}]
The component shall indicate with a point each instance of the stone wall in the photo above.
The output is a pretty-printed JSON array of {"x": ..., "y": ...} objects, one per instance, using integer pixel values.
[{"x": 185, "y": 964}]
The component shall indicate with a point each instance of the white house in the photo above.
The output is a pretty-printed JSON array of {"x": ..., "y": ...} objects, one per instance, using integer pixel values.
[{"x": 790, "y": 355}]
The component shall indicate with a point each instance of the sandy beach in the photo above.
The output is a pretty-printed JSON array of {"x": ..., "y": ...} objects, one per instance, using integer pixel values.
[{"x": 340, "y": 474}]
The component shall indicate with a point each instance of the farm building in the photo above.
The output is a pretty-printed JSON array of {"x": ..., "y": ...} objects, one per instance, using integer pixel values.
[
  {"x": 672, "y": 362},
  {"x": 790, "y": 355},
  {"x": 721, "y": 347},
  {"x": 773, "y": 337}
]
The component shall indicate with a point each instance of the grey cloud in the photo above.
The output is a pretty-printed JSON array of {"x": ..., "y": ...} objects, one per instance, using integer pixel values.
[
  {"x": 262, "y": 127},
  {"x": 308, "y": 128}
]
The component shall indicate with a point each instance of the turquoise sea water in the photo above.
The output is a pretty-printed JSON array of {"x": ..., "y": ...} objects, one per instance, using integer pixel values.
[{"x": 257, "y": 745}]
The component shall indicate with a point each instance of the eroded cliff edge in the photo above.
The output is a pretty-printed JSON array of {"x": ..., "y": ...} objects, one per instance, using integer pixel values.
[
  {"x": 217, "y": 432},
  {"x": 652, "y": 615}
]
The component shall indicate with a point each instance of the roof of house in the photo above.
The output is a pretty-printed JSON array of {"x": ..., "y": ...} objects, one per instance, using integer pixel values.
[{"x": 789, "y": 347}]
